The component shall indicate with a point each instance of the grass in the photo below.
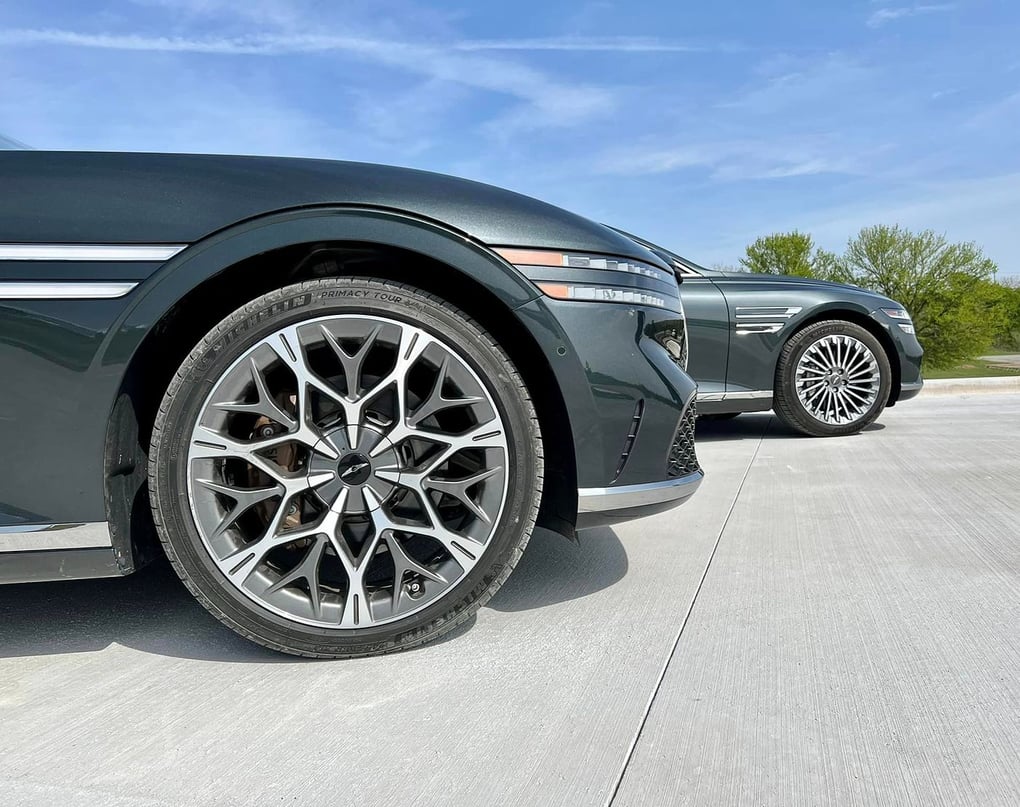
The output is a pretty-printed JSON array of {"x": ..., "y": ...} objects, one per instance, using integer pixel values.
[{"x": 972, "y": 368}]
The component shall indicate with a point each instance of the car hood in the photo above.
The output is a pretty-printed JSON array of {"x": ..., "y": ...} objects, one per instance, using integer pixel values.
[
  {"x": 94, "y": 197},
  {"x": 748, "y": 280}
]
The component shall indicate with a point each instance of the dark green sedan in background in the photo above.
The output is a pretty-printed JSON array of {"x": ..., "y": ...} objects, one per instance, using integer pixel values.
[{"x": 826, "y": 357}]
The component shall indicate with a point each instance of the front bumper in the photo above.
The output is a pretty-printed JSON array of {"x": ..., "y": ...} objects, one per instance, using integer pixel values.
[
  {"x": 909, "y": 353},
  {"x": 910, "y": 390},
  {"x": 629, "y": 404},
  {"x": 597, "y": 507}
]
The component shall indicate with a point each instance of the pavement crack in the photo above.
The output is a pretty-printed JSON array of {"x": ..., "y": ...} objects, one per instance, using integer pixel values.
[{"x": 676, "y": 641}]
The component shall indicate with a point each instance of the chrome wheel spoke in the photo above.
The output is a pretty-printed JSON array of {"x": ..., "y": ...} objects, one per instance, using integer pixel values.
[
  {"x": 347, "y": 471},
  {"x": 837, "y": 379}
]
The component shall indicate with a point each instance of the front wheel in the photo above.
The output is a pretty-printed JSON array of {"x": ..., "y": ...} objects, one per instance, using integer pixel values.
[
  {"x": 833, "y": 378},
  {"x": 345, "y": 467}
]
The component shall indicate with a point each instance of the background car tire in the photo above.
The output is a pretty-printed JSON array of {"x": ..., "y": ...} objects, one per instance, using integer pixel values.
[
  {"x": 453, "y": 336},
  {"x": 833, "y": 378}
]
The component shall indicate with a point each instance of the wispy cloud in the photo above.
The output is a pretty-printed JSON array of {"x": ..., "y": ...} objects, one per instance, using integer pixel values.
[
  {"x": 729, "y": 161},
  {"x": 570, "y": 101},
  {"x": 280, "y": 44},
  {"x": 882, "y": 16},
  {"x": 604, "y": 44}
]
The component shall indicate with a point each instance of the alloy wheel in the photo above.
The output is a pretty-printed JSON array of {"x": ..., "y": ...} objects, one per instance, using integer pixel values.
[
  {"x": 347, "y": 471},
  {"x": 837, "y": 379}
]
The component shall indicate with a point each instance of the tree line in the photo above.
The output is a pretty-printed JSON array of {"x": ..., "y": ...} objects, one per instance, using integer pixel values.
[{"x": 959, "y": 308}]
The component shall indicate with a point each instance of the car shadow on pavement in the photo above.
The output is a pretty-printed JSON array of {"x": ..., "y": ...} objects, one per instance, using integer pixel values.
[
  {"x": 153, "y": 612},
  {"x": 555, "y": 570},
  {"x": 149, "y": 610},
  {"x": 756, "y": 425}
]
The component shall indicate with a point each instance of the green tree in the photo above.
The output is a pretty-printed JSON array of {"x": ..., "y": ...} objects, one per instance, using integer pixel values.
[
  {"x": 1008, "y": 294},
  {"x": 946, "y": 287},
  {"x": 780, "y": 254},
  {"x": 793, "y": 253}
]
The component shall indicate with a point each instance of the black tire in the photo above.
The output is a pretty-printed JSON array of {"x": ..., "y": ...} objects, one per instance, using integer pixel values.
[
  {"x": 788, "y": 405},
  {"x": 180, "y": 408}
]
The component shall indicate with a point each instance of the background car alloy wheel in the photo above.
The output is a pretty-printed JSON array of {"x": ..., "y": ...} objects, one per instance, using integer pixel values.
[
  {"x": 832, "y": 378},
  {"x": 346, "y": 477}
]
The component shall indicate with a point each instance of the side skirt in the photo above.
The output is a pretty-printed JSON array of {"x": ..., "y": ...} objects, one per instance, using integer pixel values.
[
  {"x": 720, "y": 403},
  {"x": 42, "y": 565}
]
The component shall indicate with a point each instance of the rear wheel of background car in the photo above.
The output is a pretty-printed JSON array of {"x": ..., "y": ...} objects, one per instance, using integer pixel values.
[
  {"x": 833, "y": 378},
  {"x": 345, "y": 467}
]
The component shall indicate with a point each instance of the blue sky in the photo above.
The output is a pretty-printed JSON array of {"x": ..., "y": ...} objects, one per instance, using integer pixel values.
[{"x": 698, "y": 125}]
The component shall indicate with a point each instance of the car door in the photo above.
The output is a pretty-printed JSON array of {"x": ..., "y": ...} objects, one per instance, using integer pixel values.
[{"x": 708, "y": 332}]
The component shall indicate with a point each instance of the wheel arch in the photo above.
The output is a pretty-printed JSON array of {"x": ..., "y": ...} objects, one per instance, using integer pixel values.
[
  {"x": 176, "y": 307},
  {"x": 857, "y": 317}
]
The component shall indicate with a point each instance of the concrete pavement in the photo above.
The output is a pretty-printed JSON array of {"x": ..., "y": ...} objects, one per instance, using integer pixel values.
[{"x": 827, "y": 622}]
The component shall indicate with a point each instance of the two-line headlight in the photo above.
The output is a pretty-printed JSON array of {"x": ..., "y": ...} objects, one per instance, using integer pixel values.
[
  {"x": 596, "y": 278},
  {"x": 900, "y": 314}
]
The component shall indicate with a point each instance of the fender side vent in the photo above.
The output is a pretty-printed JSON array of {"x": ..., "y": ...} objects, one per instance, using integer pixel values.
[{"x": 628, "y": 444}]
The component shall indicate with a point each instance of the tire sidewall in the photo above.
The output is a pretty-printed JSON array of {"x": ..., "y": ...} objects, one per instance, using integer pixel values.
[
  {"x": 244, "y": 328},
  {"x": 792, "y": 410}
]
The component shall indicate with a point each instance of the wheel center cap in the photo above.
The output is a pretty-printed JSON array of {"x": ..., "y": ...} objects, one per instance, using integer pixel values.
[{"x": 354, "y": 469}]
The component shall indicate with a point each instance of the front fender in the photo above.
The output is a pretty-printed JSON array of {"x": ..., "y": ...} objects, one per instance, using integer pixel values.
[
  {"x": 204, "y": 259},
  {"x": 753, "y": 356}
]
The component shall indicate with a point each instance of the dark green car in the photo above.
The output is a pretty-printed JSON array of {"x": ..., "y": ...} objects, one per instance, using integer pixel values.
[
  {"x": 339, "y": 396},
  {"x": 826, "y": 357}
]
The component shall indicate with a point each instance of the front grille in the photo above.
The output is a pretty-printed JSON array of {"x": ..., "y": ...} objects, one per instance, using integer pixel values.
[{"x": 683, "y": 459}]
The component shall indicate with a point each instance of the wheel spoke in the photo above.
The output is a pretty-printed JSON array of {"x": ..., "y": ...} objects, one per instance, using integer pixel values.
[
  {"x": 837, "y": 379},
  {"x": 244, "y": 499},
  {"x": 307, "y": 570},
  {"x": 364, "y": 504},
  {"x": 265, "y": 405}
]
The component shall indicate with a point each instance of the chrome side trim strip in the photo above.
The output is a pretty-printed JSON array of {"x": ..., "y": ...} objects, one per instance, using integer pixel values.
[
  {"x": 767, "y": 311},
  {"x": 601, "y": 500},
  {"x": 762, "y": 314},
  {"x": 64, "y": 290},
  {"x": 759, "y": 327},
  {"x": 744, "y": 395},
  {"x": 89, "y": 252},
  {"x": 30, "y": 537}
]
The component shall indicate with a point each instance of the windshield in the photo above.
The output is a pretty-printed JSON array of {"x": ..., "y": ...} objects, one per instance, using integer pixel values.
[
  {"x": 684, "y": 263},
  {"x": 11, "y": 143}
]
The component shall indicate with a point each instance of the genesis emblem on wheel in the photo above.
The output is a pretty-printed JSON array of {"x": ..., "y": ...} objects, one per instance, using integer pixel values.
[{"x": 353, "y": 477}]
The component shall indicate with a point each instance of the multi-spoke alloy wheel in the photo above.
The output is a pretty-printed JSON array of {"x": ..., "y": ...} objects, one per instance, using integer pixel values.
[
  {"x": 833, "y": 378},
  {"x": 837, "y": 379},
  {"x": 348, "y": 470}
]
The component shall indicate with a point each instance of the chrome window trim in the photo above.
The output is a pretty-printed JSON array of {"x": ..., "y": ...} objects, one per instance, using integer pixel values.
[
  {"x": 89, "y": 252},
  {"x": 686, "y": 271},
  {"x": 65, "y": 290},
  {"x": 32, "y": 537}
]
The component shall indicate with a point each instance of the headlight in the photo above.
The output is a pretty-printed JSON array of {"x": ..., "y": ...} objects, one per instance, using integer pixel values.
[
  {"x": 596, "y": 278},
  {"x": 906, "y": 328},
  {"x": 598, "y": 294},
  {"x": 896, "y": 313}
]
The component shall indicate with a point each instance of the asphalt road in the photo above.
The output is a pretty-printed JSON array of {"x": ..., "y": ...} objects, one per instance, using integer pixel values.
[{"x": 827, "y": 622}]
